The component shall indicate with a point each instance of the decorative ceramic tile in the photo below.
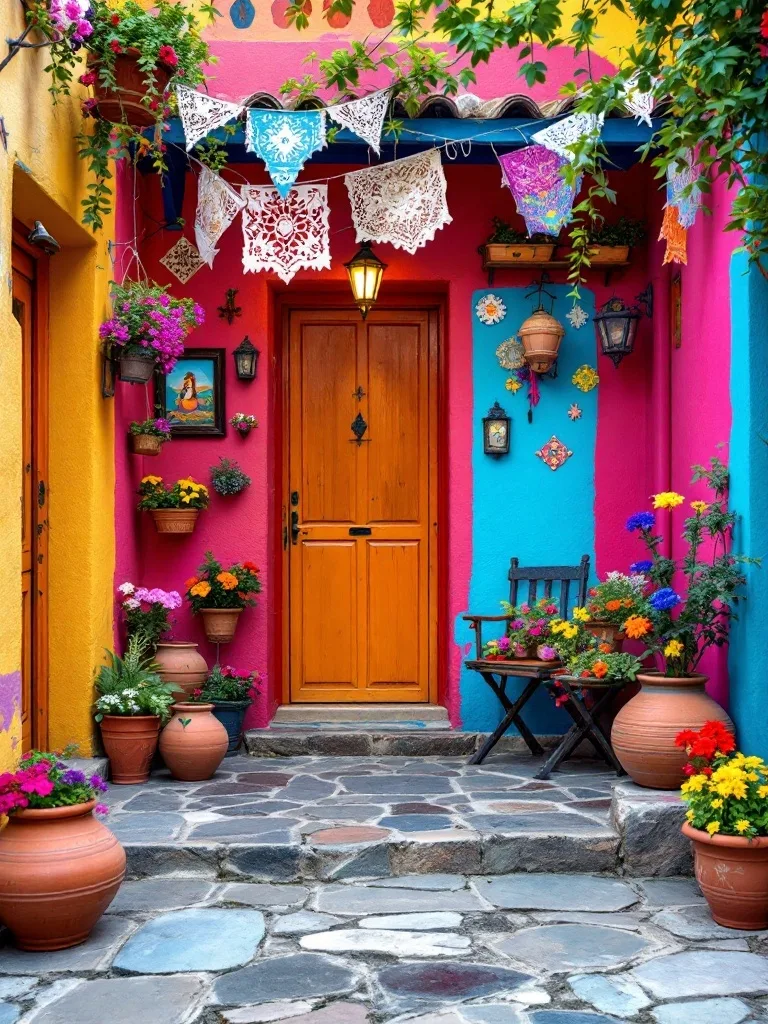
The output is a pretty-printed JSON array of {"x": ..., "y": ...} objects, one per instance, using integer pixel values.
[
  {"x": 553, "y": 453},
  {"x": 510, "y": 353},
  {"x": 586, "y": 378},
  {"x": 490, "y": 309},
  {"x": 183, "y": 260},
  {"x": 577, "y": 317},
  {"x": 574, "y": 413},
  {"x": 512, "y": 384}
]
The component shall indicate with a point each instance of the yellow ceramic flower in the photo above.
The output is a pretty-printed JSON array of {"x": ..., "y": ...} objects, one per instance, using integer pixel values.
[
  {"x": 201, "y": 589},
  {"x": 585, "y": 378},
  {"x": 699, "y": 506},
  {"x": 742, "y": 825},
  {"x": 673, "y": 649},
  {"x": 581, "y": 615},
  {"x": 667, "y": 499},
  {"x": 154, "y": 480},
  {"x": 712, "y": 827}
]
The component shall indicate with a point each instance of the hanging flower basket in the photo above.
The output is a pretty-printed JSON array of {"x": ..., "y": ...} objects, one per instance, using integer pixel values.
[
  {"x": 145, "y": 444},
  {"x": 220, "y": 623},
  {"x": 175, "y": 520},
  {"x": 149, "y": 436},
  {"x": 124, "y": 104},
  {"x": 134, "y": 369},
  {"x": 541, "y": 335}
]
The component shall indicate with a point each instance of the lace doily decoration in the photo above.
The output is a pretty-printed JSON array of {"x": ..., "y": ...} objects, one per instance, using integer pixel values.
[
  {"x": 363, "y": 117},
  {"x": 402, "y": 202},
  {"x": 217, "y": 206},
  {"x": 201, "y": 114},
  {"x": 510, "y": 354},
  {"x": 678, "y": 180},
  {"x": 183, "y": 260},
  {"x": 286, "y": 233},
  {"x": 560, "y": 135},
  {"x": 543, "y": 197},
  {"x": 577, "y": 317},
  {"x": 639, "y": 104},
  {"x": 285, "y": 140}
]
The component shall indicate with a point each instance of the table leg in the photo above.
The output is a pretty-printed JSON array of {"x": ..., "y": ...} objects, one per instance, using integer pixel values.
[{"x": 512, "y": 716}]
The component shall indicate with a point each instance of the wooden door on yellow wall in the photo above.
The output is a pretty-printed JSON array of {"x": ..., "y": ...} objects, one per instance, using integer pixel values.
[
  {"x": 362, "y": 505},
  {"x": 29, "y": 309}
]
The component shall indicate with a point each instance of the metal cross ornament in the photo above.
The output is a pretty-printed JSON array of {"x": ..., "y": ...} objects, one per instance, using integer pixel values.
[{"x": 229, "y": 310}]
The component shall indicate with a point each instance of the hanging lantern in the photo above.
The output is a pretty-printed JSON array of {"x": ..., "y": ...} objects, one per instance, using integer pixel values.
[
  {"x": 617, "y": 325},
  {"x": 496, "y": 431},
  {"x": 541, "y": 335},
  {"x": 365, "y": 271},
  {"x": 246, "y": 357}
]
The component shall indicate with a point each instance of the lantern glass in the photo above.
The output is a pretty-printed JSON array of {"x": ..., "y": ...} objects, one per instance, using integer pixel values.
[
  {"x": 496, "y": 431},
  {"x": 246, "y": 357},
  {"x": 616, "y": 328},
  {"x": 365, "y": 271}
]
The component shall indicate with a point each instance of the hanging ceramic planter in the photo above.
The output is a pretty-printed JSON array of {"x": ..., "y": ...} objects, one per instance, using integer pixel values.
[
  {"x": 134, "y": 369},
  {"x": 220, "y": 623},
  {"x": 174, "y": 520},
  {"x": 541, "y": 335},
  {"x": 145, "y": 444},
  {"x": 124, "y": 103}
]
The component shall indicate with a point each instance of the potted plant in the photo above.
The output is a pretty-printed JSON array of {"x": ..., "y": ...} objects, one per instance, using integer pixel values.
[
  {"x": 601, "y": 664},
  {"x": 529, "y": 628},
  {"x": 147, "y": 329},
  {"x": 146, "y": 613},
  {"x": 691, "y": 604},
  {"x": 149, "y": 436},
  {"x": 174, "y": 509},
  {"x": 133, "y": 701},
  {"x": 615, "y": 600},
  {"x": 194, "y": 743},
  {"x": 231, "y": 693},
  {"x": 243, "y": 423},
  {"x": 59, "y": 866},
  {"x": 727, "y": 822},
  {"x": 505, "y": 247},
  {"x": 219, "y": 595},
  {"x": 227, "y": 478},
  {"x": 610, "y": 243}
]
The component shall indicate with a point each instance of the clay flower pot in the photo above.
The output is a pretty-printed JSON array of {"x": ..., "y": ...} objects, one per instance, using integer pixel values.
[
  {"x": 59, "y": 870},
  {"x": 145, "y": 444},
  {"x": 174, "y": 520},
  {"x": 231, "y": 714},
  {"x": 135, "y": 369},
  {"x": 220, "y": 623},
  {"x": 607, "y": 633},
  {"x": 194, "y": 743},
  {"x": 733, "y": 875},
  {"x": 182, "y": 665},
  {"x": 644, "y": 730},
  {"x": 603, "y": 255},
  {"x": 124, "y": 103},
  {"x": 130, "y": 742}
]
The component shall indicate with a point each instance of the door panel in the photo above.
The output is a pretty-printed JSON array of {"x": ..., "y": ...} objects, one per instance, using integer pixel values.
[{"x": 362, "y": 571}]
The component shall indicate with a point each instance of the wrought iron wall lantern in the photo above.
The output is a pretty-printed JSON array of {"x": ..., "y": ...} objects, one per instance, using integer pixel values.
[
  {"x": 496, "y": 431},
  {"x": 43, "y": 239},
  {"x": 246, "y": 357},
  {"x": 617, "y": 325},
  {"x": 365, "y": 271}
]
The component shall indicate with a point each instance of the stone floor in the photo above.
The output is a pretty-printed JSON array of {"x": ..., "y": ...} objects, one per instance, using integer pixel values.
[
  {"x": 432, "y": 949},
  {"x": 330, "y": 818}
]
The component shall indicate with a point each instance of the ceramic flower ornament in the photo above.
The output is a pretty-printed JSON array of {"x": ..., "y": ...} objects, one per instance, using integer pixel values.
[
  {"x": 490, "y": 310},
  {"x": 585, "y": 378},
  {"x": 576, "y": 317}
]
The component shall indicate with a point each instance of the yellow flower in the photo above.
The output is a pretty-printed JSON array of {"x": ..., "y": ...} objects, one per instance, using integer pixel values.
[
  {"x": 570, "y": 631},
  {"x": 667, "y": 499},
  {"x": 753, "y": 762},
  {"x": 673, "y": 649},
  {"x": 154, "y": 480},
  {"x": 762, "y": 792},
  {"x": 227, "y": 580},
  {"x": 186, "y": 498},
  {"x": 712, "y": 827},
  {"x": 717, "y": 803},
  {"x": 695, "y": 784},
  {"x": 752, "y": 776},
  {"x": 742, "y": 825},
  {"x": 699, "y": 506},
  {"x": 689, "y": 816},
  {"x": 201, "y": 589},
  {"x": 581, "y": 615}
]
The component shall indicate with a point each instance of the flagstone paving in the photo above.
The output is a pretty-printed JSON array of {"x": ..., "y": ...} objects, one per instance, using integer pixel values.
[{"x": 429, "y": 949}]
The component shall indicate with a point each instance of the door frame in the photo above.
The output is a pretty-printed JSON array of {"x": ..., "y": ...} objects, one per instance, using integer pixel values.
[
  {"x": 40, "y": 440},
  {"x": 336, "y": 296}
]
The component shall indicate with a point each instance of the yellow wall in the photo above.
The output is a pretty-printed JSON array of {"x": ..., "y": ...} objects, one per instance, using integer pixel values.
[{"x": 42, "y": 178}]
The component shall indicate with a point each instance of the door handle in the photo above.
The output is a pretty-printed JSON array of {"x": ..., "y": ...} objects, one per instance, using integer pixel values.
[
  {"x": 359, "y": 531},
  {"x": 295, "y": 528}
]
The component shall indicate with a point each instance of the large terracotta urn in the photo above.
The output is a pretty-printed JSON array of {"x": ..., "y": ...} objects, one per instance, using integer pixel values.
[
  {"x": 220, "y": 623},
  {"x": 644, "y": 730},
  {"x": 541, "y": 335},
  {"x": 59, "y": 870},
  {"x": 194, "y": 743},
  {"x": 130, "y": 742},
  {"x": 733, "y": 875},
  {"x": 182, "y": 665}
]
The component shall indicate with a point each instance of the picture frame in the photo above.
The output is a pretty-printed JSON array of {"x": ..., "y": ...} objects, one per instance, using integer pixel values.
[{"x": 191, "y": 396}]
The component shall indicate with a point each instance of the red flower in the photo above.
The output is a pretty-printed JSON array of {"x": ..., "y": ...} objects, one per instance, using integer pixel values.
[
  {"x": 688, "y": 769},
  {"x": 154, "y": 104},
  {"x": 115, "y": 19},
  {"x": 197, "y": 693},
  {"x": 706, "y": 771},
  {"x": 167, "y": 55},
  {"x": 764, "y": 25},
  {"x": 88, "y": 79},
  {"x": 762, "y": 50},
  {"x": 250, "y": 567},
  {"x": 685, "y": 738},
  {"x": 114, "y": 46}
]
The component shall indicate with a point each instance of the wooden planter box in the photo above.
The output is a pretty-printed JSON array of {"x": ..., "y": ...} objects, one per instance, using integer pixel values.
[
  {"x": 604, "y": 255},
  {"x": 498, "y": 254}
]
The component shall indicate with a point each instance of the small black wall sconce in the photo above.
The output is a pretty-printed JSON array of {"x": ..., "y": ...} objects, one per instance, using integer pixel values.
[
  {"x": 617, "y": 325},
  {"x": 496, "y": 431},
  {"x": 246, "y": 357},
  {"x": 42, "y": 239}
]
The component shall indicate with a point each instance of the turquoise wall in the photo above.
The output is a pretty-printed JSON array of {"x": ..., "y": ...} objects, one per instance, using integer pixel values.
[
  {"x": 749, "y": 497},
  {"x": 520, "y": 506}
]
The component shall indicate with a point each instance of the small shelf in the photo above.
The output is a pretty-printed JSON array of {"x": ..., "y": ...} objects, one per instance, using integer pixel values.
[{"x": 492, "y": 265}]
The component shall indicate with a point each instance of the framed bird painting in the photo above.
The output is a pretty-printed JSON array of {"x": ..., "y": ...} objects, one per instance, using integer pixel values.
[{"x": 191, "y": 396}]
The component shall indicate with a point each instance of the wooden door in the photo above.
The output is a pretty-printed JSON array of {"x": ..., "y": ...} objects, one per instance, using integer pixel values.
[
  {"x": 29, "y": 282},
  {"x": 362, "y": 505}
]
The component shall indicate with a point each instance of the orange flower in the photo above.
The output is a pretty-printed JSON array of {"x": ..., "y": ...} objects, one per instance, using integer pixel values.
[
  {"x": 612, "y": 606},
  {"x": 201, "y": 589},
  {"x": 599, "y": 669},
  {"x": 227, "y": 580},
  {"x": 627, "y": 602},
  {"x": 604, "y": 648},
  {"x": 637, "y": 626},
  {"x": 191, "y": 582}
]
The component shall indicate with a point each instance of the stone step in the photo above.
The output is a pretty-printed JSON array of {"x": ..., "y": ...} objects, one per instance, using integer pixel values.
[
  {"x": 365, "y": 714},
  {"x": 393, "y": 740}
]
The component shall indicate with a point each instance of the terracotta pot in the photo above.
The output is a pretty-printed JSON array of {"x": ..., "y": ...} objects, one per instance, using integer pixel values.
[
  {"x": 135, "y": 369},
  {"x": 59, "y": 870},
  {"x": 644, "y": 730},
  {"x": 124, "y": 102},
  {"x": 194, "y": 743},
  {"x": 502, "y": 254},
  {"x": 182, "y": 665},
  {"x": 220, "y": 623},
  {"x": 541, "y": 335},
  {"x": 733, "y": 875},
  {"x": 601, "y": 255},
  {"x": 130, "y": 742},
  {"x": 174, "y": 520},
  {"x": 607, "y": 633},
  {"x": 145, "y": 444}
]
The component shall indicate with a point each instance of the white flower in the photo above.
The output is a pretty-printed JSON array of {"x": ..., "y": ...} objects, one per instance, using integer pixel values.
[
  {"x": 130, "y": 692},
  {"x": 126, "y": 588},
  {"x": 131, "y": 603}
]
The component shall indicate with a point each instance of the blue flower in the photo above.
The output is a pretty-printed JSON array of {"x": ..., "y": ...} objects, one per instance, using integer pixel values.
[
  {"x": 641, "y": 521},
  {"x": 96, "y": 782},
  {"x": 644, "y": 566},
  {"x": 664, "y": 599},
  {"x": 73, "y": 777}
]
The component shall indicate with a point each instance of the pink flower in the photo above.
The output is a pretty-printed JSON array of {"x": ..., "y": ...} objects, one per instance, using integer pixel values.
[
  {"x": 39, "y": 786},
  {"x": 535, "y": 630},
  {"x": 167, "y": 55},
  {"x": 88, "y": 79},
  {"x": 101, "y": 809}
]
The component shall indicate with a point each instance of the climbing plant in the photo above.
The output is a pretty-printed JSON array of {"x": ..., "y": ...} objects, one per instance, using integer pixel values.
[{"x": 704, "y": 59}]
